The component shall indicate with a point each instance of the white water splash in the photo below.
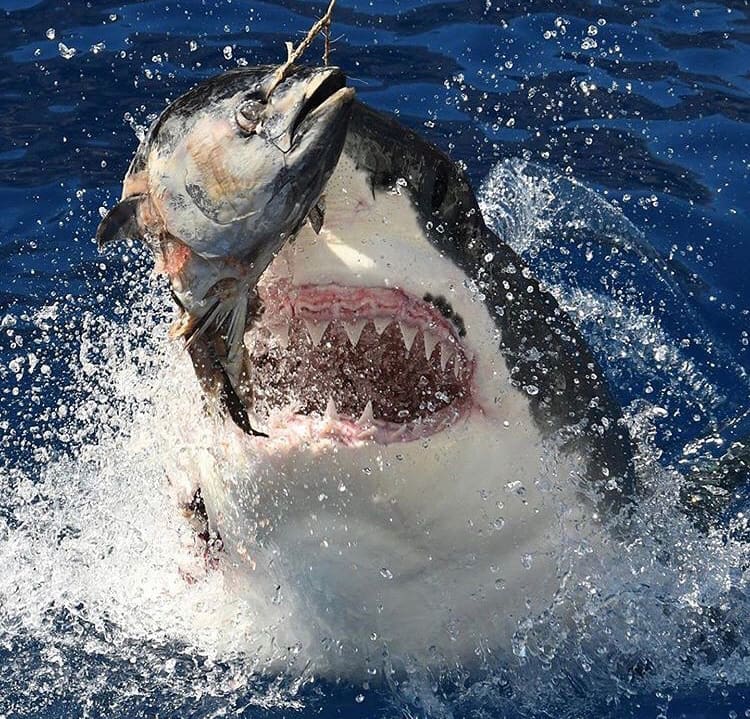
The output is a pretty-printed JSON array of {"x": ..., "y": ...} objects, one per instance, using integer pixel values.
[
  {"x": 106, "y": 575},
  {"x": 620, "y": 292}
]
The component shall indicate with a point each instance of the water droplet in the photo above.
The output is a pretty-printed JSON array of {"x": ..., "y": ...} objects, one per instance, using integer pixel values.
[
  {"x": 386, "y": 573},
  {"x": 65, "y": 51},
  {"x": 588, "y": 44},
  {"x": 228, "y": 52},
  {"x": 359, "y": 698},
  {"x": 515, "y": 487}
]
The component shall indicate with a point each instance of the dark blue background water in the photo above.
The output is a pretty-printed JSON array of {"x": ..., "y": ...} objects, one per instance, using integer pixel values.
[{"x": 647, "y": 102}]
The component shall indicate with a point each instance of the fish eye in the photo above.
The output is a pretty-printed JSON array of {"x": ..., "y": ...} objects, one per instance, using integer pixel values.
[{"x": 248, "y": 115}]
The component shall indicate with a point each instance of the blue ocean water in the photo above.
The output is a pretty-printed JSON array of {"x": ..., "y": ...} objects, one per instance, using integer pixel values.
[{"x": 611, "y": 144}]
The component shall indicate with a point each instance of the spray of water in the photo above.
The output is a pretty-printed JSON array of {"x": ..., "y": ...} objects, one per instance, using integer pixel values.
[{"x": 106, "y": 600}]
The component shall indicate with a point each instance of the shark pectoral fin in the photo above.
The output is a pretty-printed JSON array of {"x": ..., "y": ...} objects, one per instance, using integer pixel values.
[{"x": 121, "y": 223}]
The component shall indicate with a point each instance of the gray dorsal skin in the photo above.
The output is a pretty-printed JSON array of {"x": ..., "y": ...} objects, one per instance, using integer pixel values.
[{"x": 539, "y": 341}]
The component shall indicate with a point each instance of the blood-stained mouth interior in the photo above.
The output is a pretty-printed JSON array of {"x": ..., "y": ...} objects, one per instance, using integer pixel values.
[{"x": 354, "y": 364}]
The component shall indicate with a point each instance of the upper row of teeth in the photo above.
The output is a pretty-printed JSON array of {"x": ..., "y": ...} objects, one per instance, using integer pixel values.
[{"x": 354, "y": 329}]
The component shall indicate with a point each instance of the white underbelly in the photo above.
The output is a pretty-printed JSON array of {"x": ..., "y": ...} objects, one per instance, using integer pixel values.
[{"x": 411, "y": 552}]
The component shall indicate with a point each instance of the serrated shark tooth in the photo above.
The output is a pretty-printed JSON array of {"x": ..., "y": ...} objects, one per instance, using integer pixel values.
[
  {"x": 331, "y": 411},
  {"x": 429, "y": 344},
  {"x": 401, "y": 431},
  {"x": 281, "y": 334},
  {"x": 316, "y": 330},
  {"x": 446, "y": 352},
  {"x": 367, "y": 417},
  {"x": 354, "y": 330},
  {"x": 408, "y": 334},
  {"x": 381, "y": 323}
]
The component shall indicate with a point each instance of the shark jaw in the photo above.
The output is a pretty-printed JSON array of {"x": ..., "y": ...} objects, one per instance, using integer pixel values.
[
  {"x": 355, "y": 364},
  {"x": 366, "y": 332}
]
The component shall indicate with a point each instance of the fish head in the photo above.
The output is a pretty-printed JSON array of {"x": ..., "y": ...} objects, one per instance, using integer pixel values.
[{"x": 231, "y": 169}]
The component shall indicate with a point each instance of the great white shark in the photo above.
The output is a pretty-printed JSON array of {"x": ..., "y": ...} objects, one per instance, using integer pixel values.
[{"x": 411, "y": 425}]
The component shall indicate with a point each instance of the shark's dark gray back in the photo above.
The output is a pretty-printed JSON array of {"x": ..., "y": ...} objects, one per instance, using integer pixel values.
[{"x": 546, "y": 356}]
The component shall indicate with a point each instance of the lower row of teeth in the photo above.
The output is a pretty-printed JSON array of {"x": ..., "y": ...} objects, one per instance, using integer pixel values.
[
  {"x": 366, "y": 419},
  {"x": 316, "y": 330}
]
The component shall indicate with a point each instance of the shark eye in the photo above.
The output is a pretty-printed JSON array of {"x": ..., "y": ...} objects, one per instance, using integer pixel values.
[{"x": 248, "y": 115}]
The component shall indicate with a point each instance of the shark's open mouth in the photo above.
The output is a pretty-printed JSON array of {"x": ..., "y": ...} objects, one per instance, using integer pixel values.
[{"x": 357, "y": 363}]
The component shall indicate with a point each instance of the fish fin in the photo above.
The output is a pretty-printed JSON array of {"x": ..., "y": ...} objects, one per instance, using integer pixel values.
[
  {"x": 121, "y": 223},
  {"x": 216, "y": 383},
  {"x": 316, "y": 215},
  {"x": 203, "y": 324},
  {"x": 235, "y": 332},
  {"x": 216, "y": 346}
]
